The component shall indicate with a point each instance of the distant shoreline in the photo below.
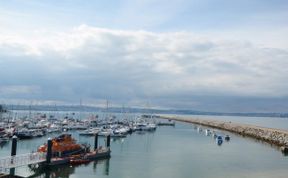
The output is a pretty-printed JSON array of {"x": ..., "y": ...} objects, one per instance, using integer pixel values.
[{"x": 84, "y": 108}]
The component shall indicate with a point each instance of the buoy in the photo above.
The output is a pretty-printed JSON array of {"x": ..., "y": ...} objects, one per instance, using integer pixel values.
[
  {"x": 227, "y": 137},
  {"x": 219, "y": 140},
  {"x": 284, "y": 149}
]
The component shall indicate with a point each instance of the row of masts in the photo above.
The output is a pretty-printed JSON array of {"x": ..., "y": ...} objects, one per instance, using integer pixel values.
[{"x": 54, "y": 110}]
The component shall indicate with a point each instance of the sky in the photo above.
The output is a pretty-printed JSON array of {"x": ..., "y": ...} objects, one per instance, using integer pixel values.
[{"x": 207, "y": 55}]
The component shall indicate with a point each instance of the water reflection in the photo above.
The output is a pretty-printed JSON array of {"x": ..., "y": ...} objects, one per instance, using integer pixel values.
[
  {"x": 104, "y": 162},
  {"x": 284, "y": 153},
  {"x": 2, "y": 144},
  {"x": 52, "y": 172},
  {"x": 118, "y": 140},
  {"x": 64, "y": 171}
]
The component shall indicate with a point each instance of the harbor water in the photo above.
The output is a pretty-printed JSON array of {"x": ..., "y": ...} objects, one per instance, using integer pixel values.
[
  {"x": 269, "y": 122},
  {"x": 180, "y": 151}
]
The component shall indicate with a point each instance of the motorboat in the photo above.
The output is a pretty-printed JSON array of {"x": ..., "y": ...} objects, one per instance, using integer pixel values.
[
  {"x": 89, "y": 132},
  {"x": 25, "y": 133},
  {"x": 112, "y": 134},
  {"x": 207, "y": 132},
  {"x": 145, "y": 127},
  {"x": 199, "y": 129}
]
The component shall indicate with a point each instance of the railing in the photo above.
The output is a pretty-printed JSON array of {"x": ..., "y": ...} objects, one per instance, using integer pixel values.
[
  {"x": 2, "y": 171},
  {"x": 21, "y": 160}
]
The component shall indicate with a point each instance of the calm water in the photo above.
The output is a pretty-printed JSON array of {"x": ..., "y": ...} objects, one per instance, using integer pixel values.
[
  {"x": 172, "y": 152},
  {"x": 270, "y": 122}
]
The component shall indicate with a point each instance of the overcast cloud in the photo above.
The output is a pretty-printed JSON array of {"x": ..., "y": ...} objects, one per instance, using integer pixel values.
[
  {"x": 207, "y": 55},
  {"x": 136, "y": 67}
]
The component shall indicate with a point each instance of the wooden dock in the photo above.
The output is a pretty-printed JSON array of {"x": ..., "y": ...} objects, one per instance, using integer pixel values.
[{"x": 47, "y": 158}]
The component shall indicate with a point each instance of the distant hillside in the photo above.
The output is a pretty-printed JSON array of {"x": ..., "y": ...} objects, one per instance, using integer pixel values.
[{"x": 135, "y": 110}]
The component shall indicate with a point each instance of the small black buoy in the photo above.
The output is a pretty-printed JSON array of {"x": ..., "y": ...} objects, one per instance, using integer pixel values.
[
  {"x": 284, "y": 149},
  {"x": 227, "y": 138}
]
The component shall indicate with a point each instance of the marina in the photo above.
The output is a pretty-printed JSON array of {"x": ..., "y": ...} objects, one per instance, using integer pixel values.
[
  {"x": 145, "y": 150},
  {"x": 143, "y": 89},
  {"x": 63, "y": 149}
]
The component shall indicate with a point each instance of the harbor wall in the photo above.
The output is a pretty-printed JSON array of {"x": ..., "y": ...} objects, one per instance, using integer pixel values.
[{"x": 274, "y": 136}]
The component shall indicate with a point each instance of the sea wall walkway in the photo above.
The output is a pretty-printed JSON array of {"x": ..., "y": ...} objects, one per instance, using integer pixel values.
[{"x": 274, "y": 136}]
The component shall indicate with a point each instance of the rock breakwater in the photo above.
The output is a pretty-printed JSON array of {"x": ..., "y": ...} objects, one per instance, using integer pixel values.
[{"x": 274, "y": 136}]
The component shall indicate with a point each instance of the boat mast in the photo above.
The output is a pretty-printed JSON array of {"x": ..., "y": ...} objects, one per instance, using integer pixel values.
[
  {"x": 107, "y": 115},
  {"x": 30, "y": 110},
  {"x": 80, "y": 109}
]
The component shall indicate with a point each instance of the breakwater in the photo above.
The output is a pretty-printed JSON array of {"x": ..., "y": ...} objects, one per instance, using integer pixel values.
[{"x": 277, "y": 137}]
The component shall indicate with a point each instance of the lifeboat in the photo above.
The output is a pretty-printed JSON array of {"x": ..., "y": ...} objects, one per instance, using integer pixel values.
[{"x": 64, "y": 145}]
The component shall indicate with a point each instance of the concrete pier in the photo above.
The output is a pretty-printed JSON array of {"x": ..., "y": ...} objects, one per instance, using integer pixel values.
[{"x": 274, "y": 136}]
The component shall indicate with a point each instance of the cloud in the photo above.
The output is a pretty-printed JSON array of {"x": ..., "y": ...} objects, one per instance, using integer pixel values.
[
  {"x": 18, "y": 90},
  {"x": 134, "y": 66}
]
